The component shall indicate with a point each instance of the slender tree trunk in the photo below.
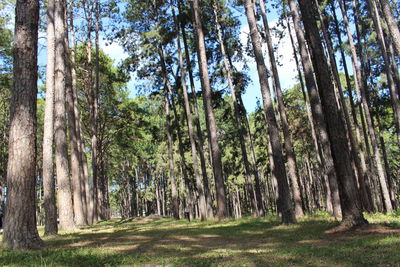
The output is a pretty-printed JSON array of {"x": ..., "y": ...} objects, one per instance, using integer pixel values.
[
  {"x": 83, "y": 165},
  {"x": 351, "y": 206},
  {"x": 209, "y": 112},
  {"x": 174, "y": 193},
  {"x": 189, "y": 120},
  {"x": 381, "y": 40},
  {"x": 249, "y": 137},
  {"x": 361, "y": 91},
  {"x": 317, "y": 112},
  {"x": 65, "y": 205},
  {"x": 358, "y": 146},
  {"x": 20, "y": 217},
  {"x": 51, "y": 227},
  {"x": 392, "y": 24},
  {"x": 78, "y": 192},
  {"x": 228, "y": 72},
  {"x": 290, "y": 155},
  {"x": 283, "y": 202},
  {"x": 196, "y": 119}
]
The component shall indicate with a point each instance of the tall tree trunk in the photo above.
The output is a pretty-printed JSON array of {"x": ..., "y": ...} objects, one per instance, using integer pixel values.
[
  {"x": 196, "y": 119},
  {"x": 283, "y": 202},
  {"x": 92, "y": 101},
  {"x": 392, "y": 24},
  {"x": 351, "y": 206},
  {"x": 249, "y": 137},
  {"x": 174, "y": 193},
  {"x": 20, "y": 217},
  {"x": 83, "y": 165},
  {"x": 78, "y": 191},
  {"x": 361, "y": 92},
  {"x": 209, "y": 112},
  {"x": 189, "y": 120},
  {"x": 51, "y": 227},
  {"x": 290, "y": 155},
  {"x": 317, "y": 146},
  {"x": 66, "y": 211},
  {"x": 317, "y": 112},
  {"x": 358, "y": 146},
  {"x": 238, "y": 120}
]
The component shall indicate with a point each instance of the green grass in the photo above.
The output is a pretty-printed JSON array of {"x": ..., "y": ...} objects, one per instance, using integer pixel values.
[{"x": 245, "y": 242}]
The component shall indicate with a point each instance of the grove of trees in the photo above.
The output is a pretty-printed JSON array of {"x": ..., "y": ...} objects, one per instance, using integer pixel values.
[{"x": 80, "y": 144}]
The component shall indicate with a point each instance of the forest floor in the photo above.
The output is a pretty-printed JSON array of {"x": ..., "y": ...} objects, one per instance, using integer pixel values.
[{"x": 155, "y": 241}]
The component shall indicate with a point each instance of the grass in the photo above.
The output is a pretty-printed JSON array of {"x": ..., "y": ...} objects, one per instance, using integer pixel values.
[{"x": 246, "y": 242}]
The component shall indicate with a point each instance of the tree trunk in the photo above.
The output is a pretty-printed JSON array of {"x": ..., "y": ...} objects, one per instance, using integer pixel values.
[
  {"x": 78, "y": 191},
  {"x": 283, "y": 202},
  {"x": 174, "y": 193},
  {"x": 209, "y": 112},
  {"x": 189, "y": 120},
  {"x": 200, "y": 142},
  {"x": 290, "y": 155},
  {"x": 238, "y": 120},
  {"x": 361, "y": 92},
  {"x": 20, "y": 217},
  {"x": 317, "y": 112},
  {"x": 392, "y": 24},
  {"x": 358, "y": 147},
  {"x": 351, "y": 206},
  {"x": 66, "y": 211},
  {"x": 83, "y": 165},
  {"x": 51, "y": 227}
]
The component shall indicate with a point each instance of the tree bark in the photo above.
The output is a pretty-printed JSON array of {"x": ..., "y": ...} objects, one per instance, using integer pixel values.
[
  {"x": 392, "y": 24},
  {"x": 66, "y": 212},
  {"x": 283, "y": 202},
  {"x": 189, "y": 120},
  {"x": 238, "y": 120},
  {"x": 20, "y": 217},
  {"x": 358, "y": 147},
  {"x": 362, "y": 92},
  {"x": 200, "y": 137},
  {"x": 351, "y": 206},
  {"x": 209, "y": 112},
  {"x": 290, "y": 155},
  {"x": 51, "y": 227},
  {"x": 317, "y": 111}
]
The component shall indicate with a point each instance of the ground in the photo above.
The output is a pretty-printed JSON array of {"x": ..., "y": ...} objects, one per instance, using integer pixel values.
[{"x": 245, "y": 242}]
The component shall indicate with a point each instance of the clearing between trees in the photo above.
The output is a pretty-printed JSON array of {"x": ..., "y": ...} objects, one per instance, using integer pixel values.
[{"x": 156, "y": 240}]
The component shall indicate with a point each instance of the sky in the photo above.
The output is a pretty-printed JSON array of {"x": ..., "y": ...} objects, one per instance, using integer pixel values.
[{"x": 284, "y": 53}]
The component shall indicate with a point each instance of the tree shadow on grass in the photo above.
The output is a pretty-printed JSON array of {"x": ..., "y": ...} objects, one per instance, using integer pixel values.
[{"x": 248, "y": 242}]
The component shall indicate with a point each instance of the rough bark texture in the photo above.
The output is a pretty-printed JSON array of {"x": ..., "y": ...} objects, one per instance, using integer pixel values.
[
  {"x": 200, "y": 138},
  {"x": 351, "y": 206},
  {"x": 20, "y": 217},
  {"x": 83, "y": 165},
  {"x": 392, "y": 24},
  {"x": 358, "y": 148},
  {"x": 238, "y": 120},
  {"x": 362, "y": 93},
  {"x": 317, "y": 111},
  {"x": 209, "y": 113},
  {"x": 291, "y": 157},
  {"x": 50, "y": 226},
  {"x": 174, "y": 193},
  {"x": 283, "y": 201},
  {"x": 189, "y": 120},
  {"x": 78, "y": 191},
  {"x": 65, "y": 206}
]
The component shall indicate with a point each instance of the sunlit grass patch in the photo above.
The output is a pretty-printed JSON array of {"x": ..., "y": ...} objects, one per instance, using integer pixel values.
[{"x": 241, "y": 242}]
